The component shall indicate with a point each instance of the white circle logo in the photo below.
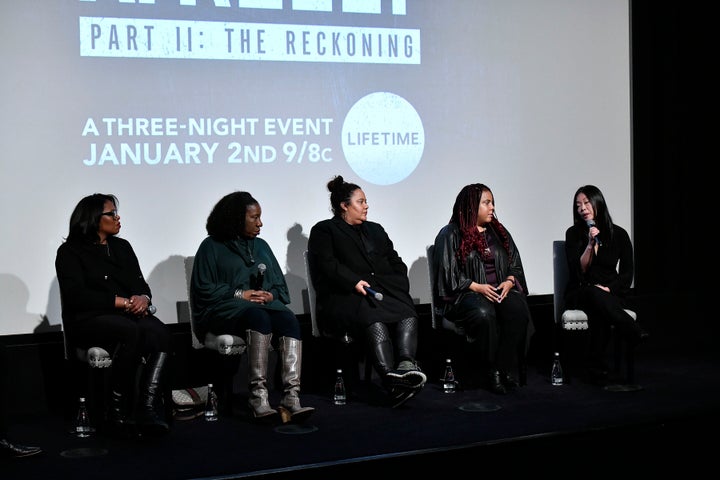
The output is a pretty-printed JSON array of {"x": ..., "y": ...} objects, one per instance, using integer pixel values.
[{"x": 383, "y": 138}]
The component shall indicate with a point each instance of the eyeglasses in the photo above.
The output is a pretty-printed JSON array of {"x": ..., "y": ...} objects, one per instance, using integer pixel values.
[{"x": 111, "y": 213}]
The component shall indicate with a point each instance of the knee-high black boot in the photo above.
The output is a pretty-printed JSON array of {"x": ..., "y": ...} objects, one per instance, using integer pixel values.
[
  {"x": 383, "y": 358},
  {"x": 120, "y": 419},
  {"x": 407, "y": 339},
  {"x": 151, "y": 415}
]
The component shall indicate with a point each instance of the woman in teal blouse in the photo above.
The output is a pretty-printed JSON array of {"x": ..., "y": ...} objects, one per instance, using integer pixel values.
[{"x": 238, "y": 288}]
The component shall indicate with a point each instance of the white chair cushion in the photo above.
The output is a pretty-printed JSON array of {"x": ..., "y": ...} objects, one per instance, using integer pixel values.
[
  {"x": 225, "y": 344},
  {"x": 96, "y": 357},
  {"x": 577, "y": 319}
]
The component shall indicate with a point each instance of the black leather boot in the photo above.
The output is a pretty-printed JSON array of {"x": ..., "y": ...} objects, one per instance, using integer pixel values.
[
  {"x": 10, "y": 450},
  {"x": 383, "y": 357},
  {"x": 508, "y": 381},
  {"x": 118, "y": 416},
  {"x": 151, "y": 415},
  {"x": 495, "y": 383}
]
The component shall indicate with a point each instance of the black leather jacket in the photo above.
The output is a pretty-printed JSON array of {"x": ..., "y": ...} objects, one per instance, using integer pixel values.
[{"x": 453, "y": 279}]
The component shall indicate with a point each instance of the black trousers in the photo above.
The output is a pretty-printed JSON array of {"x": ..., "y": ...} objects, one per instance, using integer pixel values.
[
  {"x": 604, "y": 310},
  {"x": 264, "y": 320},
  {"x": 499, "y": 330},
  {"x": 127, "y": 337}
]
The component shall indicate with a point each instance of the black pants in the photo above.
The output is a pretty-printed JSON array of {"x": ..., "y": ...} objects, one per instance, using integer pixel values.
[
  {"x": 128, "y": 337},
  {"x": 264, "y": 320},
  {"x": 603, "y": 310},
  {"x": 499, "y": 330}
]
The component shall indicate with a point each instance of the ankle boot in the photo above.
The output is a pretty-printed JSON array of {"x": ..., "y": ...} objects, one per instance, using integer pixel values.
[
  {"x": 257, "y": 348},
  {"x": 151, "y": 416},
  {"x": 291, "y": 360},
  {"x": 495, "y": 384}
]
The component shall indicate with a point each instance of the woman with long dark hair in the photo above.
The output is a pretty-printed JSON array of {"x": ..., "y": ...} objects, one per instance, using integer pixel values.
[{"x": 600, "y": 260}]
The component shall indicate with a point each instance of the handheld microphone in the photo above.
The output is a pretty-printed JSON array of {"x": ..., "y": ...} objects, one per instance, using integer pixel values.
[
  {"x": 591, "y": 223},
  {"x": 151, "y": 309},
  {"x": 260, "y": 277},
  {"x": 377, "y": 295}
]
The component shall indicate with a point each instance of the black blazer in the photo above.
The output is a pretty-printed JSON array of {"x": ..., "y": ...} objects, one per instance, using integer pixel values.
[
  {"x": 339, "y": 260},
  {"x": 91, "y": 275}
]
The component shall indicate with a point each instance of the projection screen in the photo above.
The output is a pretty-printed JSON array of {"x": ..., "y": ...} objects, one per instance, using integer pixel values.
[{"x": 171, "y": 104}]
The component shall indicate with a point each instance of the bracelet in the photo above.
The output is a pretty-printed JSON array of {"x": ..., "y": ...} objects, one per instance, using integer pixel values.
[
  {"x": 148, "y": 298},
  {"x": 511, "y": 280},
  {"x": 239, "y": 293}
]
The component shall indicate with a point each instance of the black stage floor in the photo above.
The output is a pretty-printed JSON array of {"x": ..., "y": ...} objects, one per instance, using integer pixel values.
[{"x": 669, "y": 424}]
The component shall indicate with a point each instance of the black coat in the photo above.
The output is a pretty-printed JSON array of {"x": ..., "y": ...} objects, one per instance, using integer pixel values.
[
  {"x": 453, "y": 279},
  {"x": 91, "y": 275},
  {"x": 339, "y": 260}
]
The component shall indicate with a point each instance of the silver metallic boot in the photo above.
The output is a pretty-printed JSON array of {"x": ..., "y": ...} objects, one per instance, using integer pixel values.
[
  {"x": 258, "y": 346},
  {"x": 291, "y": 360}
]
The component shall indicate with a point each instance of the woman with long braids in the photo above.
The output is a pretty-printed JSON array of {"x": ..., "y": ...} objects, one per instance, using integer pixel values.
[{"x": 480, "y": 285}]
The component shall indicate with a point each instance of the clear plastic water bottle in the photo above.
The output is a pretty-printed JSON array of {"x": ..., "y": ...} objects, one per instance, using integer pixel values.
[
  {"x": 211, "y": 407},
  {"x": 556, "y": 374},
  {"x": 83, "y": 429},
  {"x": 339, "y": 395},
  {"x": 449, "y": 377}
]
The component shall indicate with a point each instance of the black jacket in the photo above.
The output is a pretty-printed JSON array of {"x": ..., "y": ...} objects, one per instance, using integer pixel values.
[
  {"x": 91, "y": 275},
  {"x": 339, "y": 260},
  {"x": 452, "y": 279}
]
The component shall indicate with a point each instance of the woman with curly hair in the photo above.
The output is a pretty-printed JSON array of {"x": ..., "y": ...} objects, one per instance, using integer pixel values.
[{"x": 238, "y": 288}]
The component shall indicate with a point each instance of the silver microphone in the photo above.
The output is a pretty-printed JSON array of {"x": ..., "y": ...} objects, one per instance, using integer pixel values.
[
  {"x": 151, "y": 309},
  {"x": 260, "y": 277},
  {"x": 377, "y": 295}
]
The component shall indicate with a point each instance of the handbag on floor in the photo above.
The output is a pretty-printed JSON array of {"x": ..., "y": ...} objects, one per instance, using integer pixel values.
[{"x": 189, "y": 403}]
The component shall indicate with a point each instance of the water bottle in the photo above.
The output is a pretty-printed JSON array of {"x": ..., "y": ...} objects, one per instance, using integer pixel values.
[
  {"x": 556, "y": 375},
  {"x": 449, "y": 377},
  {"x": 339, "y": 396},
  {"x": 211, "y": 408},
  {"x": 82, "y": 424}
]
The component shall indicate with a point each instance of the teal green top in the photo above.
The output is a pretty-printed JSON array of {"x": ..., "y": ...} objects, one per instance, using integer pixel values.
[{"x": 221, "y": 267}]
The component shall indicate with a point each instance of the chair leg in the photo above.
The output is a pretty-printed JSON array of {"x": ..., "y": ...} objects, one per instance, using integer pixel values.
[
  {"x": 617, "y": 349},
  {"x": 630, "y": 365},
  {"x": 368, "y": 369},
  {"x": 228, "y": 367}
]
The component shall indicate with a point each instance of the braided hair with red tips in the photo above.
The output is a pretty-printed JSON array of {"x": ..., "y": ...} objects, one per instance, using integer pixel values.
[{"x": 465, "y": 215}]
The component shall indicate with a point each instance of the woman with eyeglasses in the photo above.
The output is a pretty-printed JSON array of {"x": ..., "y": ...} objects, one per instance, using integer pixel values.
[{"x": 106, "y": 302}]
